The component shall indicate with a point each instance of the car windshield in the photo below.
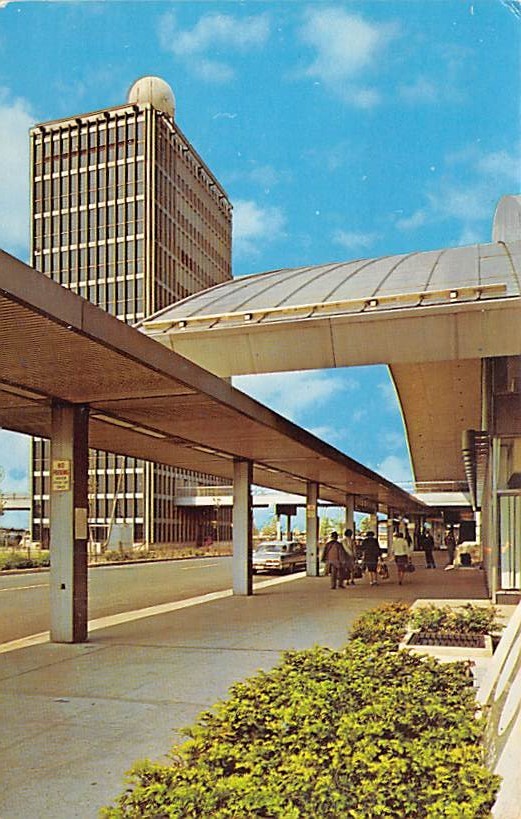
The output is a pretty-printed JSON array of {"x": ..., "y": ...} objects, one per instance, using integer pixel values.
[{"x": 272, "y": 547}]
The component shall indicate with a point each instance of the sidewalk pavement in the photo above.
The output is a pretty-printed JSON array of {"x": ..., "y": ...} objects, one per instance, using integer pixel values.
[{"x": 76, "y": 717}]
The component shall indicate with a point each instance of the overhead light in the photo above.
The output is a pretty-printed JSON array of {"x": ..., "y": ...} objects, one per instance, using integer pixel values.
[
  {"x": 206, "y": 450},
  {"x": 372, "y": 303},
  {"x": 117, "y": 422},
  {"x": 21, "y": 392},
  {"x": 248, "y": 316},
  {"x": 182, "y": 323},
  {"x": 453, "y": 294}
]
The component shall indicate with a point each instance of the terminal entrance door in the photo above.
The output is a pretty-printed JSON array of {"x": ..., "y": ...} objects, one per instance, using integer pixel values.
[{"x": 510, "y": 539}]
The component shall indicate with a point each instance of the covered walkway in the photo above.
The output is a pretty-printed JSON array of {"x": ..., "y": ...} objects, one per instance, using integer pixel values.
[
  {"x": 77, "y": 716},
  {"x": 72, "y": 373}
]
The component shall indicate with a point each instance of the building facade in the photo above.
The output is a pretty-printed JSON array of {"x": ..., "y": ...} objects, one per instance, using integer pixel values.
[{"x": 125, "y": 213}]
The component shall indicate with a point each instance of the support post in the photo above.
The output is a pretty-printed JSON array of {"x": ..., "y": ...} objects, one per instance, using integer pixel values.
[
  {"x": 373, "y": 522},
  {"x": 350, "y": 513},
  {"x": 68, "y": 529},
  {"x": 242, "y": 527},
  {"x": 390, "y": 530},
  {"x": 312, "y": 529}
]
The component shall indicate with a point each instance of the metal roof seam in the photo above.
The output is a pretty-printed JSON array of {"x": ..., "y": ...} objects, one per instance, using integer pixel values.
[{"x": 510, "y": 259}]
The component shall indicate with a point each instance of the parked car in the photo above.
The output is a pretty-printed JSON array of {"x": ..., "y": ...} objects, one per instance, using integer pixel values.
[{"x": 279, "y": 556}]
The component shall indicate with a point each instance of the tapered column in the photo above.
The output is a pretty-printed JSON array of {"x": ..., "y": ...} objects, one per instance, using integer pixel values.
[
  {"x": 68, "y": 525},
  {"x": 390, "y": 530},
  {"x": 373, "y": 521},
  {"x": 242, "y": 527},
  {"x": 350, "y": 513},
  {"x": 312, "y": 529}
]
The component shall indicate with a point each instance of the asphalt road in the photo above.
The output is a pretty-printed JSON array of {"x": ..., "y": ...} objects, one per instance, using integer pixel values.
[{"x": 24, "y": 598}]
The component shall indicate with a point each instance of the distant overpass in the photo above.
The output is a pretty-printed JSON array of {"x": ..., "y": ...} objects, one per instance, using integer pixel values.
[
  {"x": 223, "y": 496},
  {"x": 15, "y": 501}
]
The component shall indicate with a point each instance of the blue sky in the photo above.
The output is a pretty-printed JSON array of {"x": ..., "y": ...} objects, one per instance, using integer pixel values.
[{"x": 339, "y": 130}]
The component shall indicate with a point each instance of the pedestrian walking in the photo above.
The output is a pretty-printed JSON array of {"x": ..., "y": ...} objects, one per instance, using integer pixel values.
[
  {"x": 450, "y": 543},
  {"x": 372, "y": 554},
  {"x": 348, "y": 542},
  {"x": 335, "y": 559},
  {"x": 427, "y": 544},
  {"x": 400, "y": 550}
]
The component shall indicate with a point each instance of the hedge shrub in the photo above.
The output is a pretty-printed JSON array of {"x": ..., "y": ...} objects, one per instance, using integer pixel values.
[
  {"x": 365, "y": 732},
  {"x": 386, "y": 622},
  {"x": 19, "y": 560},
  {"x": 467, "y": 619}
]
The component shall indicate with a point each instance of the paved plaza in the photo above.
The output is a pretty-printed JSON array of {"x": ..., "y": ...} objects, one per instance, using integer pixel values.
[{"x": 75, "y": 717}]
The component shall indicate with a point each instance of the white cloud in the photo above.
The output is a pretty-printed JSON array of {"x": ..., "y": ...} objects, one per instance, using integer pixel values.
[
  {"x": 15, "y": 121},
  {"x": 347, "y": 48},
  {"x": 293, "y": 394},
  {"x": 387, "y": 393},
  {"x": 420, "y": 90},
  {"x": 332, "y": 435},
  {"x": 212, "y": 33},
  {"x": 468, "y": 191},
  {"x": 14, "y": 460},
  {"x": 393, "y": 440},
  {"x": 395, "y": 469},
  {"x": 224, "y": 115},
  {"x": 333, "y": 157},
  {"x": 416, "y": 220},
  {"x": 264, "y": 175},
  {"x": 352, "y": 240},
  {"x": 253, "y": 224}
]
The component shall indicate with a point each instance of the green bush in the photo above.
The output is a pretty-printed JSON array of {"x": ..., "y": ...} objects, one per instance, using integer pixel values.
[
  {"x": 366, "y": 732},
  {"x": 467, "y": 619},
  {"x": 386, "y": 622},
  {"x": 19, "y": 560}
]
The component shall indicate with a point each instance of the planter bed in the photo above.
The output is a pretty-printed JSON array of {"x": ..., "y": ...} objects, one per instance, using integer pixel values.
[
  {"x": 433, "y": 638},
  {"x": 448, "y": 647}
]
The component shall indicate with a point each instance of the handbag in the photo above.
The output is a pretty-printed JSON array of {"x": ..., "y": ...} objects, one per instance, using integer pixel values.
[
  {"x": 411, "y": 567},
  {"x": 383, "y": 571}
]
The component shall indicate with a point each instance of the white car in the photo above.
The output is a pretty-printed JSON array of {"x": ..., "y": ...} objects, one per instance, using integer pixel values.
[{"x": 279, "y": 556}]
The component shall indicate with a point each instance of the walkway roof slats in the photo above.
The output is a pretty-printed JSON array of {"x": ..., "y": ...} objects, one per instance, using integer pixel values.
[{"x": 149, "y": 402}]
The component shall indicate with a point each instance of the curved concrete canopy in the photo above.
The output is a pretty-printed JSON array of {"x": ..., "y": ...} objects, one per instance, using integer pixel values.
[{"x": 430, "y": 316}]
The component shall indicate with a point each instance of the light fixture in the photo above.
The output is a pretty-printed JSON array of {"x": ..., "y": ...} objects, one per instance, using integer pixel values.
[
  {"x": 119, "y": 422},
  {"x": 372, "y": 303},
  {"x": 182, "y": 323},
  {"x": 248, "y": 316},
  {"x": 453, "y": 295}
]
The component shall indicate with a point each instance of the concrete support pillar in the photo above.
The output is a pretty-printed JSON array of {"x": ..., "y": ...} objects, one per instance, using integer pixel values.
[
  {"x": 68, "y": 529},
  {"x": 477, "y": 517},
  {"x": 389, "y": 530},
  {"x": 373, "y": 522},
  {"x": 312, "y": 555},
  {"x": 350, "y": 513},
  {"x": 242, "y": 527}
]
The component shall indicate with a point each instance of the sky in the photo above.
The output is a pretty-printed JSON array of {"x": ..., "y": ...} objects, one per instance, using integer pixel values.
[{"x": 339, "y": 130}]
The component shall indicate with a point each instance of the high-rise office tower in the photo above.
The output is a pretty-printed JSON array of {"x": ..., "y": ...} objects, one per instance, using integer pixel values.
[{"x": 126, "y": 213}]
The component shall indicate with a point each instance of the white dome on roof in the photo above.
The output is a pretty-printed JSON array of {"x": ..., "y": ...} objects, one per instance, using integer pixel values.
[
  {"x": 153, "y": 91},
  {"x": 507, "y": 220}
]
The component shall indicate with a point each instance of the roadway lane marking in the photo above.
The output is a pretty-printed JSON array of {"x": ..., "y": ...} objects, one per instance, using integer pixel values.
[
  {"x": 191, "y": 568},
  {"x": 140, "y": 614},
  {"x": 22, "y": 588}
]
